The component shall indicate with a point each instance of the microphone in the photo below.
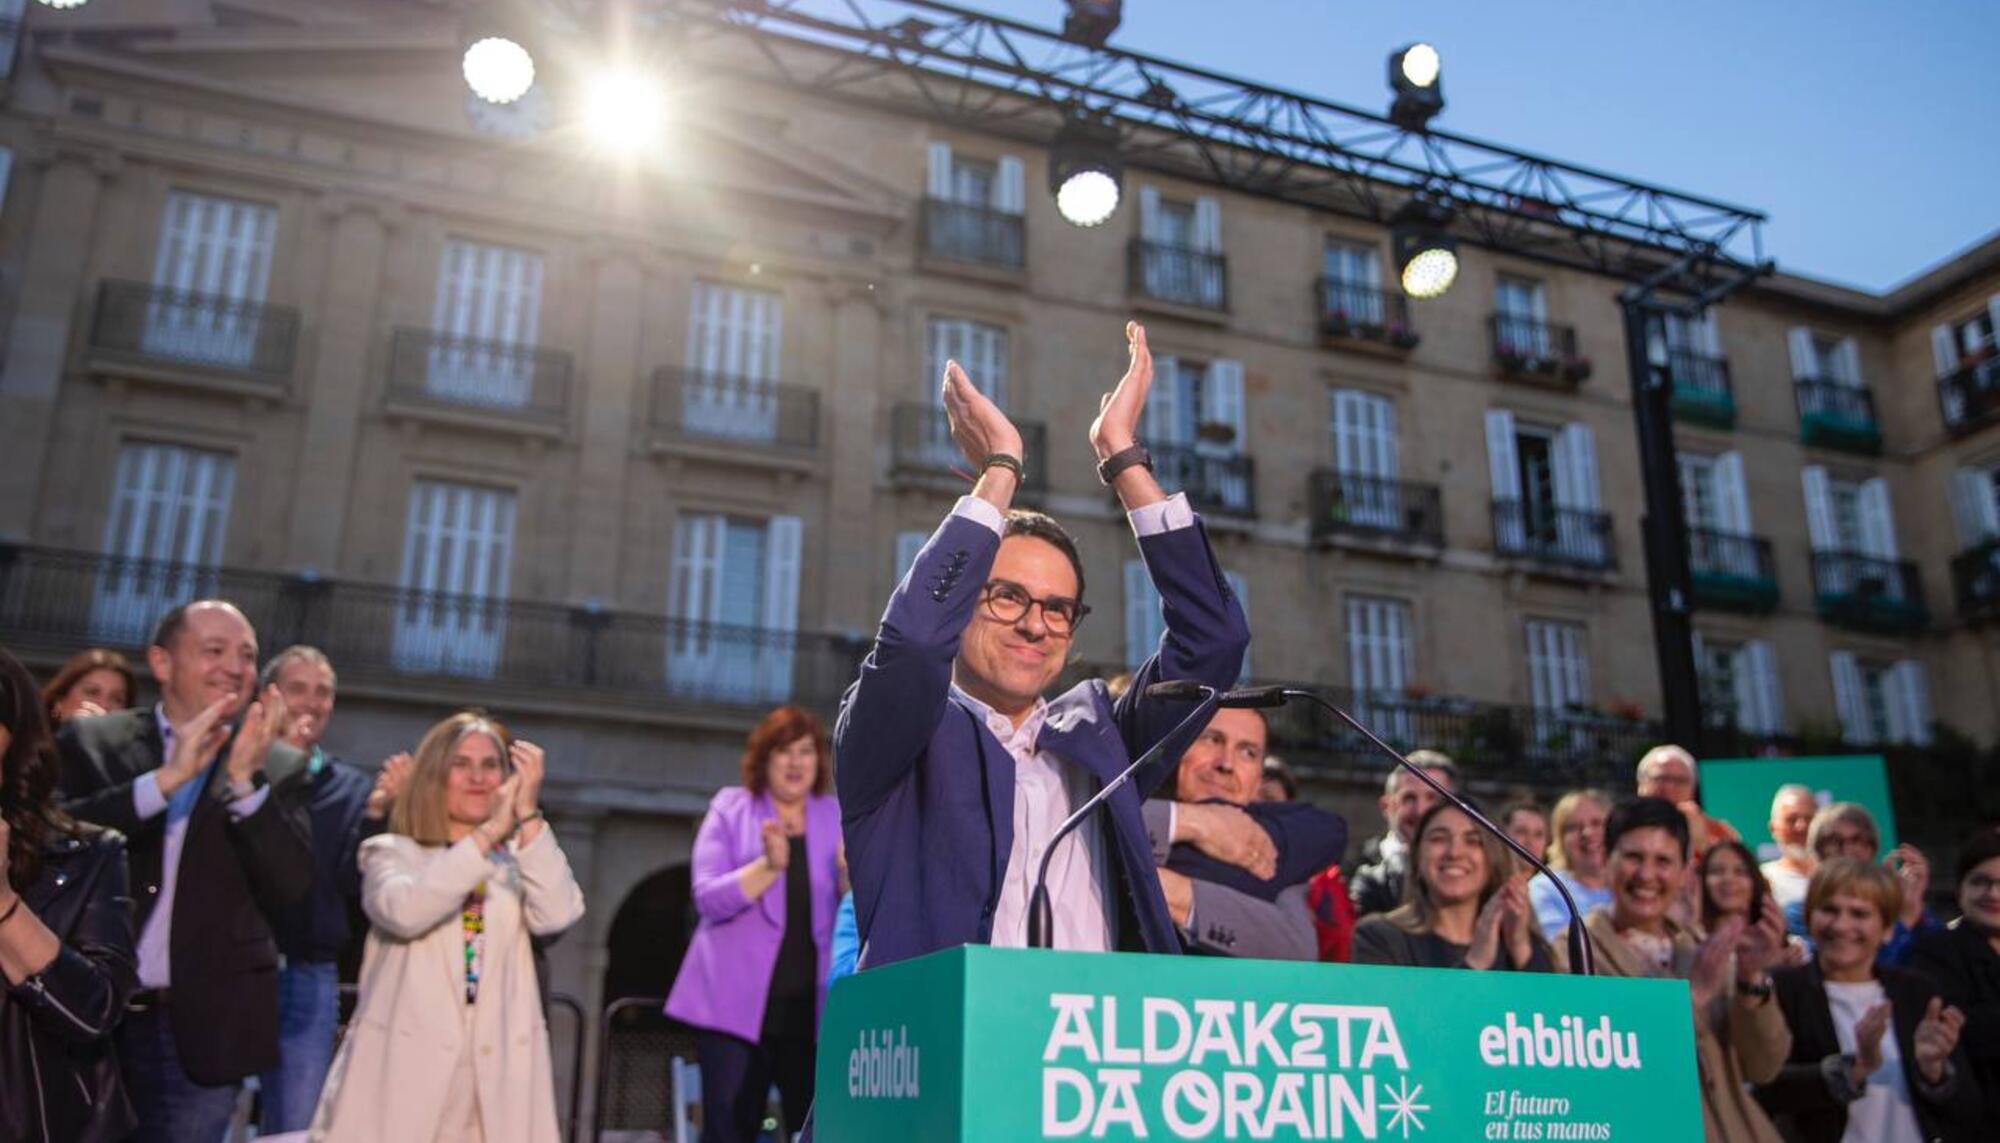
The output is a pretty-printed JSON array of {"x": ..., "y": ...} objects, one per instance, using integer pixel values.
[
  {"x": 1041, "y": 912},
  {"x": 1581, "y": 959},
  {"x": 1187, "y": 690}
]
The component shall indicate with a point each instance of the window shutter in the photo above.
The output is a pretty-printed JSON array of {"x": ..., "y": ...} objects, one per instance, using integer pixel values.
[
  {"x": 1805, "y": 360},
  {"x": 1160, "y": 416},
  {"x": 1732, "y": 500},
  {"x": 1346, "y": 447},
  {"x": 1500, "y": 463},
  {"x": 781, "y": 574},
  {"x": 938, "y": 184},
  {"x": 1208, "y": 224},
  {"x": 1944, "y": 350},
  {"x": 1009, "y": 195},
  {"x": 1820, "y": 530},
  {"x": 908, "y": 546},
  {"x": 1241, "y": 589},
  {"x": 1576, "y": 467},
  {"x": 1848, "y": 700},
  {"x": 1762, "y": 663},
  {"x": 1149, "y": 214},
  {"x": 1848, "y": 357},
  {"x": 1973, "y": 507},
  {"x": 1222, "y": 398},
  {"x": 697, "y": 554},
  {"x": 1144, "y": 621},
  {"x": 1878, "y": 522},
  {"x": 1911, "y": 704}
]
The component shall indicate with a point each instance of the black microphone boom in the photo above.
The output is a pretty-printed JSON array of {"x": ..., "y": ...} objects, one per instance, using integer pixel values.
[
  {"x": 1187, "y": 690},
  {"x": 1581, "y": 960}
]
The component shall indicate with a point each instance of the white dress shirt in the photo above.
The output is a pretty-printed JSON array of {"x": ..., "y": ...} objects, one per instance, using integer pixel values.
[
  {"x": 1048, "y": 789},
  {"x": 156, "y": 939}
]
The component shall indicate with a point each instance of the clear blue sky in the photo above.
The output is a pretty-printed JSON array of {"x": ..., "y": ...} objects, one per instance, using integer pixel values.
[{"x": 1869, "y": 130}]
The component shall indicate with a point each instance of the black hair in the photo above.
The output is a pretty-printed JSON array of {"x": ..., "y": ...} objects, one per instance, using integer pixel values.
[
  {"x": 1978, "y": 849},
  {"x": 1024, "y": 522},
  {"x": 28, "y": 774},
  {"x": 1646, "y": 813}
]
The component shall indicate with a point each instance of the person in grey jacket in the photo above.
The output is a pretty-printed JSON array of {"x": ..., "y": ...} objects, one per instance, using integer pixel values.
[{"x": 1238, "y": 884}]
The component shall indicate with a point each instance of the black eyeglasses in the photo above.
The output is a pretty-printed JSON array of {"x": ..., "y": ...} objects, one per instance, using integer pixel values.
[{"x": 1008, "y": 602}]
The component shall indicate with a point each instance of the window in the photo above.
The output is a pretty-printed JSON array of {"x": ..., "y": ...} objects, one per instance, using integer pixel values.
[
  {"x": 1818, "y": 356},
  {"x": 1380, "y": 663},
  {"x": 1970, "y": 339},
  {"x": 732, "y": 362},
  {"x": 1975, "y": 504},
  {"x": 735, "y": 594},
  {"x": 1558, "y": 676},
  {"x": 982, "y": 350},
  {"x": 1849, "y": 515},
  {"x": 1881, "y": 702},
  {"x": 974, "y": 208},
  {"x": 487, "y": 318},
  {"x": 990, "y": 184},
  {"x": 1353, "y": 285},
  {"x": 1182, "y": 243},
  {"x": 458, "y": 546},
  {"x": 1365, "y": 457},
  {"x": 908, "y": 546},
  {"x": 1521, "y": 326},
  {"x": 1739, "y": 686},
  {"x": 1146, "y": 623},
  {"x": 1545, "y": 492},
  {"x": 169, "y": 512},
  {"x": 1195, "y": 422},
  {"x": 10, "y": 33},
  {"x": 211, "y": 269},
  {"x": 1713, "y": 494}
]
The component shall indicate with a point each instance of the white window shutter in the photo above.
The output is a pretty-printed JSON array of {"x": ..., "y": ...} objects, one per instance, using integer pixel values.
[
  {"x": 1500, "y": 463},
  {"x": 1159, "y": 416},
  {"x": 1911, "y": 702},
  {"x": 1848, "y": 355},
  {"x": 938, "y": 183},
  {"x": 1149, "y": 214},
  {"x": 781, "y": 574},
  {"x": 1878, "y": 521},
  {"x": 1222, "y": 396},
  {"x": 1973, "y": 506},
  {"x": 1944, "y": 350},
  {"x": 1820, "y": 530},
  {"x": 1143, "y": 619},
  {"x": 1805, "y": 360},
  {"x": 1762, "y": 663},
  {"x": 908, "y": 546},
  {"x": 1577, "y": 455},
  {"x": 1241, "y": 588},
  {"x": 1732, "y": 500},
  {"x": 1383, "y": 424},
  {"x": 1848, "y": 700},
  {"x": 1208, "y": 224},
  {"x": 1009, "y": 183},
  {"x": 1344, "y": 430},
  {"x": 1749, "y": 716}
]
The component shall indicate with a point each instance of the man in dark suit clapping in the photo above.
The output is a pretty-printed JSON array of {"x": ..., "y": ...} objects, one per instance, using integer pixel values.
[{"x": 218, "y": 839}]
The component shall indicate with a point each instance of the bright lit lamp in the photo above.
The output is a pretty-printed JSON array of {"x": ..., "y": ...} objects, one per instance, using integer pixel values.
[
  {"x": 1420, "y": 64},
  {"x": 623, "y": 110},
  {"x": 498, "y": 70},
  {"x": 1416, "y": 80},
  {"x": 1085, "y": 172},
  {"x": 1426, "y": 253},
  {"x": 63, "y": 5}
]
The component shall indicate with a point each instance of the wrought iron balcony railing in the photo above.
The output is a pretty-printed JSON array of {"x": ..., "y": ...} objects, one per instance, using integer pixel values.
[
  {"x": 52, "y": 602},
  {"x": 1344, "y": 503},
  {"x": 1975, "y": 581},
  {"x": 442, "y": 370},
  {"x": 1179, "y": 274},
  {"x": 1869, "y": 592},
  {"x": 1970, "y": 397},
  {"x": 920, "y": 445},
  {"x": 968, "y": 233},
  {"x": 1835, "y": 414},
  {"x": 1355, "y": 311},
  {"x": 1523, "y": 347},
  {"x": 1702, "y": 389},
  {"x": 1732, "y": 570},
  {"x": 1562, "y": 537},
  {"x": 702, "y": 406},
  {"x": 146, "y": 323},
  {"x": 1221, "y": 484}
]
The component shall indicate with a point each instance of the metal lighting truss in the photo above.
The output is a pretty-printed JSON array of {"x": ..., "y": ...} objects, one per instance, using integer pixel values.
[{"x": 999, "y": 76}]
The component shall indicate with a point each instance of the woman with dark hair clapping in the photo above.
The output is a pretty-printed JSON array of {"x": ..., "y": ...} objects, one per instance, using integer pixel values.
[
  {"x": 92, "y": 682},
  {"x": 66, "y": 956},
  {"x": 1464, "y": 905}
]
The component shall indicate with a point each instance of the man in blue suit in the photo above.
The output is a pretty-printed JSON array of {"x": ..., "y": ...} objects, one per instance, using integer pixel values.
[{"x": 954, "y": 771}]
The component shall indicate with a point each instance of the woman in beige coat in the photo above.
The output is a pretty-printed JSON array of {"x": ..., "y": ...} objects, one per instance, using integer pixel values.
[{"x": 448, "y": 1041}]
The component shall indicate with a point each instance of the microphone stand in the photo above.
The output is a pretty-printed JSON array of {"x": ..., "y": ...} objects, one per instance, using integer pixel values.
[
  {"x": 1582, "y": 961},
  {"x": 1041, "y": 912}
]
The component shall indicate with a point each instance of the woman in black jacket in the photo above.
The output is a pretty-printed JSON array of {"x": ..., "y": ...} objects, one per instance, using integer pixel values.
[
  {"x": 1963, "y": 959},
  {"x": 1464, "y": 905},
  {"x": 1875, "y": 1052},
  {"x": 66, "y": 955}
]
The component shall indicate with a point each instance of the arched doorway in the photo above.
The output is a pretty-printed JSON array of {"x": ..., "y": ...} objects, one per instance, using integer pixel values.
[
  {"x": 643, "y": 953},
  {"x": 649, "y": 936}
]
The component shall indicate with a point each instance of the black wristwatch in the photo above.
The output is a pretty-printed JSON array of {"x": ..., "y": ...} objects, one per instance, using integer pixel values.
[{"x": 1109, "y": 468}]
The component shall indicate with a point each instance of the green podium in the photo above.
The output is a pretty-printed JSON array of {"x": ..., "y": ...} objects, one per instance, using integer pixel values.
[{"x": 1005, "y": 1045}]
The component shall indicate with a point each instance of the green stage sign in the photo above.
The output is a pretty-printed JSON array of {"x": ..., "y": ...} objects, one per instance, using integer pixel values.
[
  {"x": 1009, "y": 1045},
  {"x": 1739, "y": 791}
]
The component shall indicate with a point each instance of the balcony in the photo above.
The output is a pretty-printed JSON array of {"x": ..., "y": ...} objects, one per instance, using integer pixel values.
[
  {"x": 1352, "y": 315},
  {"x": 1970, "y": 398},
  {"x": 1536, "y": 352},
  {"x": 1179, "y": 275},
  {"x": 1557, "y": 538},
  {"x": 251, "y": 344},
  {"x": 921, "y": 450},
  {"x": 467, "y": 648},
  {"x": 1869, "y": 593},
  {"x": 1975, "y": 581},
  {"x": 1397, "y": 511},
  {"x": 469, "y": 379},
  {"x": 705, "y": 408},
  {"x": 1219, "y": 484},
  {"x": 1732, "y": 572},
  {"x": 1836, "y": 415},
  {"x": 966, "y": 233},
  {"x": 1702, "y": 392}
]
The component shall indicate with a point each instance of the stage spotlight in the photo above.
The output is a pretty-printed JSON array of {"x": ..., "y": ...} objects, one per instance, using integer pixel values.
[
  {"x": 1091, "y": 22},
  {"x": 623, "y": 110},
  {"x": 63, "y": 5},
  {"x": 1085, "y": 172},
  {"x": 1426, "y": 254},
  {"x": 497, "y": 69},
  {"x": 1414, "y": 77}
]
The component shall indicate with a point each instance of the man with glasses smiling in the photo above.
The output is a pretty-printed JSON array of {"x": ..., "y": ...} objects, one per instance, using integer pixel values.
[{"x": 954, "y": 771}]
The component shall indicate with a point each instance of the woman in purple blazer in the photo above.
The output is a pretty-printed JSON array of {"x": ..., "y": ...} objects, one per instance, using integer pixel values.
[{"x": 769, "y": 872}]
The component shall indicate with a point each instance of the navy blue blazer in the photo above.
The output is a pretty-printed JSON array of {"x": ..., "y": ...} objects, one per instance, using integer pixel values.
[
  {"x": 927, "y": 792},
  {"x": 1308, "y": 839}
]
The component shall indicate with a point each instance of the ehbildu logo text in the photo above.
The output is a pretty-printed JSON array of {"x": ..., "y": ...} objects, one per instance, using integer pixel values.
[
  {"x": 883, "y": 1066},
  {"x": 1568, "y": 1043}
]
